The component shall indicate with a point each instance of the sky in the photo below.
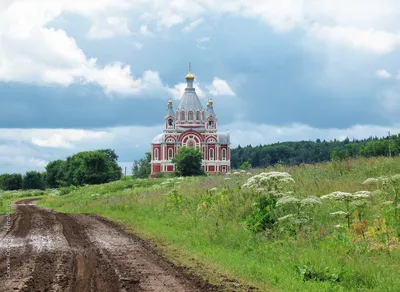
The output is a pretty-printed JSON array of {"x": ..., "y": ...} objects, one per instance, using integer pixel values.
[{"x": 94, "y": 74}]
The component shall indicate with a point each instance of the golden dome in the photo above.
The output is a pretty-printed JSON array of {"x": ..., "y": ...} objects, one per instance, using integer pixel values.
[
  {"x": 190, "y": 75},
  {"x": 210, "y": 102},
  {"x": 170, "y": 102}
]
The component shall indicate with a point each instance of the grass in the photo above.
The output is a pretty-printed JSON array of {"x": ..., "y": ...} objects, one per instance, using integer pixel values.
[
  {"x": 7, "y": 197},
  {"x": 204, "y": 228}
]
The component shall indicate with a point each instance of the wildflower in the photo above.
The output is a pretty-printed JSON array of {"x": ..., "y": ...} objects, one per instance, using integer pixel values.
[
  {"x": 287, "y": 200},
  {"x": 213, "y": 190},
  {"x": 370, "y": 180},
  {"x": 362, "y": 195},
  {"x": 338, "y": 213},
  {"x": 227, "y": 178},
  {"x": 287, "y": 217},
  {"x": 310, "y": 201}
]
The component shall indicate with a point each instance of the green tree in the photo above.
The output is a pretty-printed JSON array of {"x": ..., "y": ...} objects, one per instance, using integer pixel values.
[
  {"x": 56, "y": 174},
  {"x": 33, "y": 180},
  {"x": 11, "y": 182},
  {"x": 188, "y": 161},
  {"x": 142, "y": 168},
  {"x": 245, "y": 165},
  {"x": 92, "y": 167}
]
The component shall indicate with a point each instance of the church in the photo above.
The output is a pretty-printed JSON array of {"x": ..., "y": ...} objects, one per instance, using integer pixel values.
[{"x": 191, "y": 125}]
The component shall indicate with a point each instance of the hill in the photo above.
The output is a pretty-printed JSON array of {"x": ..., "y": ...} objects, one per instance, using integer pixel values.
[{"x": 326, "y": 227}]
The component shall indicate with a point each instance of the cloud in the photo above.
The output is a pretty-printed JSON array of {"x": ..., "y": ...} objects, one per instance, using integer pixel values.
[
  {"x": 178, "y": 90},
  {"x": 30, "y": 52},
  {"x": 382, "y": 74},
  {"x": 144, "y": 30},
  {"x": 371, "y": 40},
  {"x": 220, "y": 87},
  {"x": 200, "y": 42},
  {"x": 192, "y": 25},
  {"x": 105, "y": 28}
]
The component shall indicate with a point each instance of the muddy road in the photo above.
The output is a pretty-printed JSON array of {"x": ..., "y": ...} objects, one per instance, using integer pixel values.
[{"x": 50, "y": 251}]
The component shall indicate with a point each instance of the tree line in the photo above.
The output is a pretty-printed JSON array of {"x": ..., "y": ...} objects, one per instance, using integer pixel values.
[
  {"x": 86, "y": 167},
  {"x": 295, "y": 153}
]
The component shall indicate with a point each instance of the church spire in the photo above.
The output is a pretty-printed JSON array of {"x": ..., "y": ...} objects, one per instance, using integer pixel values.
[{"x": 190, "y": 75}]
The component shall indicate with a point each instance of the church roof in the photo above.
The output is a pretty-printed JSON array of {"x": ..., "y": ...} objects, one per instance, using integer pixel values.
[
  {"x": 223, "y": 137},
  {"x": 190, "y": 100},
  {"x": 158, "y": 139}
]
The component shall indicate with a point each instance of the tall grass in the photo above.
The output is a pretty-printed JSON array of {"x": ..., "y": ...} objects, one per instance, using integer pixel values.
[{"x": 204, "y": 220}]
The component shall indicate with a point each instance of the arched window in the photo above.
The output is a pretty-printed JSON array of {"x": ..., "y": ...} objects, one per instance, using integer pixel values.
[
  {"x": 190, "y": 116},
  {"x": 170, "y": 123},
  {"x": 190, "y": 143},
  {"x": 156, "y": 154},
  {"x": 211, "y": 154},
  {"x": 211, "y": 124},
  {"x": 198, "y": 117},
  {"x": 182, "y": 115},
  {"x": 170, "y": 154},
  {"x": 223, "y": 154}
]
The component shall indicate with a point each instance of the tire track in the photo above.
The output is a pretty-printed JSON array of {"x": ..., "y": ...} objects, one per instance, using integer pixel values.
[
  {"x": 90, "y": 271},
  {"x": 60, "y": 252}
]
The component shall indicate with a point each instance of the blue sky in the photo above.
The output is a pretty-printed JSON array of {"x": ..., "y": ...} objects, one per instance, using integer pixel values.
[{"x": 83, "y": 75}]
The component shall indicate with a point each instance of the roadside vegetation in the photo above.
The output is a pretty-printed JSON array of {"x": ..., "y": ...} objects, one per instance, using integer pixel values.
[{"x": 331, "y": 226}]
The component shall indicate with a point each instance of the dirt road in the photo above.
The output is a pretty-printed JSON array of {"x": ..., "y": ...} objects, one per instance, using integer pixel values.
[{"x": 50, "y": 251}]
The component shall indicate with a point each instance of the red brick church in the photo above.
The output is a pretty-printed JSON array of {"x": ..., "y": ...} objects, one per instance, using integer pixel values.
[{"x": 191, "y": 125}]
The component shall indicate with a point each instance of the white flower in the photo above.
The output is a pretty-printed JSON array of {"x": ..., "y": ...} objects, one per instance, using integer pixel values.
[
  {"x": 362, "y": 195},
  {"x": 338, "y": 213},
  {"x": 287, "y": 217},
  {"x": 310, "y": 201},
  {"x": 387, "y": 203},
  {"x": 287, "y": 200},
  {"x": 213, "y": 190},
  {"x": 370, "y": 180},
  {"x": 227, "y": 178}
]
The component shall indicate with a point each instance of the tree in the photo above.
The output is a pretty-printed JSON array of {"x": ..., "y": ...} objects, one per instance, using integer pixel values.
[
  {"x": 93, "y": 167},
  {"x": 11, "y": 182},
  {"x": 245, "y": 165},
  {"x": 56, "y": 173},
  {"x": 142, "y": 168},
  {"x": 188, "y": 161},
  {"x": 33, "y": 180}
]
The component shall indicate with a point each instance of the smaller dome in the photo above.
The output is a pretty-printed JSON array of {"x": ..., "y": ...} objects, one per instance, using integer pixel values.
[
  {"x": 158, "y": 139},
  {"x": 190, "y": 75},
  {"x": 223, "y": 137},
  {"x": 170, "y": 102}
]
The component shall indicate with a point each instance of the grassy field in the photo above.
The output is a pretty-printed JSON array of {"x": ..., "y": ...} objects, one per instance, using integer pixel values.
[{"x": 266, "y": 230}]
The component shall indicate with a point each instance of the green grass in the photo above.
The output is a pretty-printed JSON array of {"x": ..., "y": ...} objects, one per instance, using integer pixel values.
[
  {"x": 7, "y": 197},
  {"x": 183, "y": 224}
]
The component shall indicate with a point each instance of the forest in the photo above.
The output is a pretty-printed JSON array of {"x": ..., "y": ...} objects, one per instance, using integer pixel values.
[{"x": 295, "y": 153}]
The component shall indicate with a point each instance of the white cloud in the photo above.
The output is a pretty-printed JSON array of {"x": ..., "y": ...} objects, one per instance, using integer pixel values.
[
  {"x": 382, "y": 74},
  {"x": 220, "y": 87},
  {"x": 109, "y": 27},
  {"x": 192, "y": 25},
  {"x": 33, "y": 53},
  {"x": 371, "y": 40},
  {"x": 178, "y": 90},
  {"x": 201, "y": 41},
  {"x": 144, "y": 30}
]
